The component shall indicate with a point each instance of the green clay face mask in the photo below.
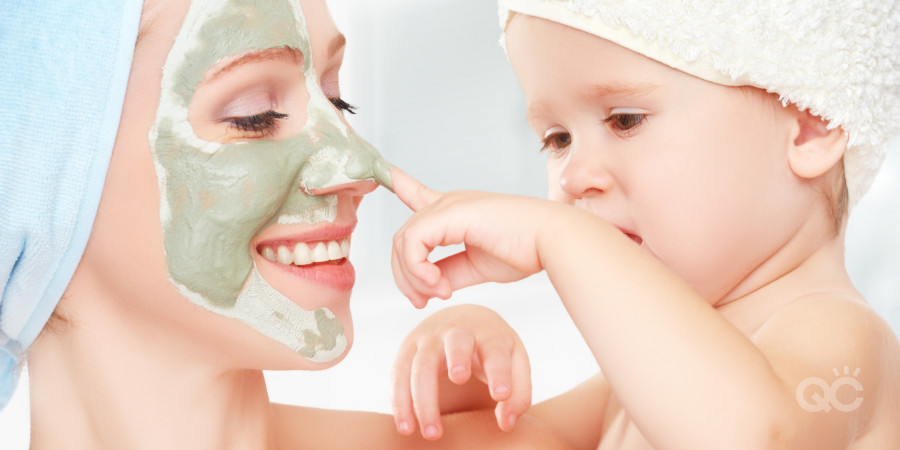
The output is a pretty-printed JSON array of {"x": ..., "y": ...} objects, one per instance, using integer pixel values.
[{"x": 215, "y": 198}]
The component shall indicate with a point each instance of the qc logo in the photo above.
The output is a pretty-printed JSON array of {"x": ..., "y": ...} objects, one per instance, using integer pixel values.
[{"x": 824, "y": 396}]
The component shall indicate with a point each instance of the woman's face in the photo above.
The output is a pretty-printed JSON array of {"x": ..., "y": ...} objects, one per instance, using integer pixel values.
[{"x": 258, "y": 175}]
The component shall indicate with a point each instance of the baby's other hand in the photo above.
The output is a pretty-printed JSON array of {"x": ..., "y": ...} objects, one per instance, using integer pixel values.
[{"x": 456, "y": 344}]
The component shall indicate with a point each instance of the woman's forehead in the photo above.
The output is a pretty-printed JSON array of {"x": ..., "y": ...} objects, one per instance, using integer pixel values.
[
  {"x": 222, "y": 27},
  {"x": 215, "y": 30}
]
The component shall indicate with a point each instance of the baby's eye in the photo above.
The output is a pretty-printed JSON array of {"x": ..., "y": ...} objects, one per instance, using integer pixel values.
[
  {"x": 625, "y": 122},
  {"x": 340, "y": 104},
  {"x": 556, "y": 141},
  {"x": 257, "y": 126}
]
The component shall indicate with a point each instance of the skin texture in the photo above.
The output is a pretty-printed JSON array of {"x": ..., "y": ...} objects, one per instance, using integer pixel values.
[
  {"x": 135, "y": 364},
  {"x": 687, "y": 236},
  {"x": 219, "y": 192}
]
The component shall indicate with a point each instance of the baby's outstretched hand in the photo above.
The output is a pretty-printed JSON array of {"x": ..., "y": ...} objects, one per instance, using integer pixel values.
[
  {"x": 458, "y": 343},
  {"x": 500, "y": 233}
]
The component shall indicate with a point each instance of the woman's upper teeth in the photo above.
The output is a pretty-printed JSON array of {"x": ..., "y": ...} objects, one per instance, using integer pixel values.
[{"x": 303, "y": 254}]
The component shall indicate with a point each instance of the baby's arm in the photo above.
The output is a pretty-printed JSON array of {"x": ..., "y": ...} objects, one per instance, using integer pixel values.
[{"x": 686, "y": 376}]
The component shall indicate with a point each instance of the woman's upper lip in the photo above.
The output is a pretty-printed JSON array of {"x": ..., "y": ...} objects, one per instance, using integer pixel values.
[{"x": 324, "y": 232}]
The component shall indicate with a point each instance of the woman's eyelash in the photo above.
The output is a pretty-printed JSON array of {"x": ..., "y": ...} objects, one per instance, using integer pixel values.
[
  {"x": 263, "y": 124},
  {"x": 266, "y": 124},
  {"x": 340, "y": 104}
]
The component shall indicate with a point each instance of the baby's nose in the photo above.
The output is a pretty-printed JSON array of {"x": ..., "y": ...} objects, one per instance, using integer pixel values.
[{"x": 354, "y": 189}]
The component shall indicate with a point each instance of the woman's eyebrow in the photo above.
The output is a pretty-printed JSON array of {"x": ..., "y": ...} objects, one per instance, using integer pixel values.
[{"x": 286, "y": 54}]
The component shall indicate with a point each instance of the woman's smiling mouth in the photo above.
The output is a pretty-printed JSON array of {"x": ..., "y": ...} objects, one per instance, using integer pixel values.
[
  {"x": 308, "y": 253},
  {"x": 320, "y": 255}
]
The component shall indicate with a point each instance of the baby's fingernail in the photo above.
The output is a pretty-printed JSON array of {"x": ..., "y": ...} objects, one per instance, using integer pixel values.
[
  {"x": 459, "y": 370},
  {"x": 501, "y": 390},
  {"x": 404, "y": 427},
  {"x": 431, "y": 431},
  {"x": 511, "y": 420}
]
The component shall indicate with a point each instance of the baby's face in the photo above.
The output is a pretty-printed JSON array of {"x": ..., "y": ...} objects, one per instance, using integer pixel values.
[
  {"x": 683, "y": 166},
  {"x": 258, "y": 175}
]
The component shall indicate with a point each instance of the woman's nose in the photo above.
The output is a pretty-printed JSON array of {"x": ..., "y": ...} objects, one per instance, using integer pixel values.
[
  {"x": 354, "y": 189},
  {"x": 584, "y": 172}
]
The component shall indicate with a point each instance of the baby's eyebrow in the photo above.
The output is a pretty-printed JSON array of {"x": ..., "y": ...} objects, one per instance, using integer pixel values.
[
  {"x": 286, "y": 54},
  {"x": 618, "y": 90},
  {"x": 597, "y": 91},
  {"x": 535, "y": 111}
]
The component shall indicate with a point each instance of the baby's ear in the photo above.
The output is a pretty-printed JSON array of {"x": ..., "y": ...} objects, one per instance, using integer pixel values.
[{"x": 815, "y": 149}]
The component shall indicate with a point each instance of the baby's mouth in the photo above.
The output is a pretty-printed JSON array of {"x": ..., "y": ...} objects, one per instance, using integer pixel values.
[
  {"x": 304, "y": 254},
  {"x": 637, "y": 239}
]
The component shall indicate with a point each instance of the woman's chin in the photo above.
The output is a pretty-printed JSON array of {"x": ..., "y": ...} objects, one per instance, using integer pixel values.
[
  {"x": 308, "y": 321},
  {"x": 272, "y": 354},
  {"x": 303, "y": 362}
]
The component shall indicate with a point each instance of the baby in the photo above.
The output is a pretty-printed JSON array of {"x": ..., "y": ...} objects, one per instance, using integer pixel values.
[{"x": 702, "y": 161}]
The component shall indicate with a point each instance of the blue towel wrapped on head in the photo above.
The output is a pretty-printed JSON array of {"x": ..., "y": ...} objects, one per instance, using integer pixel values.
[{"x": 64, "y": 66}]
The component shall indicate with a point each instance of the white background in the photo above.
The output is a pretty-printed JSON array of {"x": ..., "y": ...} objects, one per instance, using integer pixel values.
[{"x": 436, "y": 95}]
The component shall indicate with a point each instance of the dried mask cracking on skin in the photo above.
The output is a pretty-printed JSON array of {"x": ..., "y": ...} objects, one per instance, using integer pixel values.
[{"x": 216, "y": 197}]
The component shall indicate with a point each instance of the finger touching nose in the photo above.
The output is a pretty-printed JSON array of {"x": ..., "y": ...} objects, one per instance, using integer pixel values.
[
  {"x": 410, "y": 191},
  {"x": 354, "y": 189}
]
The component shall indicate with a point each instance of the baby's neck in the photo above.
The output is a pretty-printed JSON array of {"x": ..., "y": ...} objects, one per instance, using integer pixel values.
[
  {"x": 93, "y": 391},
  {"x": 820, "y": 271}
]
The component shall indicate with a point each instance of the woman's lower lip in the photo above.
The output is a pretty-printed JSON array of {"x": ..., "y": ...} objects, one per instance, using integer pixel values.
[{"x": 338, "y": 276}]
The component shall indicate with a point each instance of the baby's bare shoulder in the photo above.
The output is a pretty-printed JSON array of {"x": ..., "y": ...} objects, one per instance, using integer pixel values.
[
  {"x": 830, "y": 339},
  {"x": 828, "y": 323}
]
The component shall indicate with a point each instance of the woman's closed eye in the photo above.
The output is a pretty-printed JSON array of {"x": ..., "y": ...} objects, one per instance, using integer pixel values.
[
  {"x": 256, "y": 126},
  {"x": 266, "y": 124}
]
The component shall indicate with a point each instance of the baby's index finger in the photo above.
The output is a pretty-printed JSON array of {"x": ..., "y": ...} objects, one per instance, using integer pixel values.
[
  {"x": 382, "y": 172},
  {"x": 411, "y": 192}
]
